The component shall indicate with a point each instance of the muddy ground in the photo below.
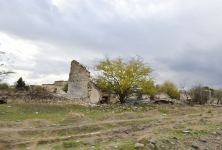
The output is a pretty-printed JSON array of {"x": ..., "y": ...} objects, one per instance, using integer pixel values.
[{"x": 121, "y": 127}]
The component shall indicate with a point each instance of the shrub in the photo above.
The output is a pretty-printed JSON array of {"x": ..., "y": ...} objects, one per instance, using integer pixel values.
[
  {"x": 170, "y": 88},
  {"x": 39, "y": 92},
  {"x": 4, "y": 86},
  {"x": 148, "y": 88},
  {"x": 65, "y": 88}
]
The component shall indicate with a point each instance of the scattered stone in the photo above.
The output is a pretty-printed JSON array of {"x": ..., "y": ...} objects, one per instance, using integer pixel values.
[
  {"x": 162, "y": 146},
  {"x": 195, "y": 146},
  {"x": 152, "y": 141},
  {"x": 186, "y": 131},
  {"x": 172, "y": 143},
  {"x": 139, "y": 145},
  {"x": 3, "y": 100},
  {"x": 115, "y": 146},
  {"x": 151, "y": 146},
  {"x": 203, "y": 140}
]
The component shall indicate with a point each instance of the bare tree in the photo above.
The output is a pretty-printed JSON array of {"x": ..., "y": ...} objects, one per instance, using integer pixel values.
[
  {"x": 3, "y": 71},
  {"x": 218, "y": 95},
  {"x": 201, "y": 94}
]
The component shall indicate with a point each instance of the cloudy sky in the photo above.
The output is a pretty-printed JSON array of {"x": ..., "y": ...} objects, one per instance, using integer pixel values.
[{"x": 180, "y": 39}]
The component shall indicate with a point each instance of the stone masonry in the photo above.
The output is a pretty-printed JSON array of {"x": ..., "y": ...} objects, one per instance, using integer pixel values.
[
  {"x": 79, "y": 78},
  {"x": 80, "y": 86}
]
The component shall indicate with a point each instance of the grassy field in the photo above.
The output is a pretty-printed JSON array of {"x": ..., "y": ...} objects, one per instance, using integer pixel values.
[{"x": 58, "y": 127}]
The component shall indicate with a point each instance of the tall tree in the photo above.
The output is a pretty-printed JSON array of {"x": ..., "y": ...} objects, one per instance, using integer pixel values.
[
  {"x": 20, "y": 84},
  {"x": 123, "y": 77}
]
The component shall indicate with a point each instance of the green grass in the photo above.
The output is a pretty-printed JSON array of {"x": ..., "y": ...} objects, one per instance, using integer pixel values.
[
  {"x": 22, "y": 112},
  {"x": 193, "y": 133},
  {"x": 71, "y": 144},
  {"x": 163, "y": 110},
  {"x": 56, "y": 113}
]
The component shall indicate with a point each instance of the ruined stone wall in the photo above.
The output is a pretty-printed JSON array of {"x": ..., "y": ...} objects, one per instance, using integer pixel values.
[
  {"x": 49, "y": 87},
  {"x": 56, "y": 88},
  {"x": 95, "y": 94},
  {"x": 78, "y": 83},
  {"x": 60, "y": 83}
]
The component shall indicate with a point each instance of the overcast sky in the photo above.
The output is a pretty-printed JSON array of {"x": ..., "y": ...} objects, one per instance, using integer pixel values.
[{"x": 180, "y": 39}]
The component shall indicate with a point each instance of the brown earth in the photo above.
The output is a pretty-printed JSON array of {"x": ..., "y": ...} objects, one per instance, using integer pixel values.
[{"x": 154, "y": 127}]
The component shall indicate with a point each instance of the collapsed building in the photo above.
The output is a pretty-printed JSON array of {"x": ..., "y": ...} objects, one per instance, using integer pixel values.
[{"x": 79, "y": 87}]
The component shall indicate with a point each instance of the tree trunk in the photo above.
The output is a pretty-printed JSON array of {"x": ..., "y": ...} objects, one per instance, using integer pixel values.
[{"x": 122, "y": 98}]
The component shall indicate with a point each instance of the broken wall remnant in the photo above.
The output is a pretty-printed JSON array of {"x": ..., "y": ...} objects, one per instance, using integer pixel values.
[
  {"x": 94, "y": 93},
  {"x": 57, "y": 87},
  {"x": 161, "y": 96},
  {"x": 80, "y": 86},
  {"x": 185, "y": 96},
  {"x": 79, "y": 79},
  {"x": 49, "y": 87}
]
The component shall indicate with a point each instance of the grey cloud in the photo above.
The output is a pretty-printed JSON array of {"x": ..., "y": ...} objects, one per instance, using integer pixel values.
[
  {"x": 180, "y": 40},
  {"x": 196, "y": 66}
]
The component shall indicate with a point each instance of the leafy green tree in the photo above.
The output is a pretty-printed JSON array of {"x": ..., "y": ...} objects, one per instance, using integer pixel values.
[
  {"x": 170, "y": 88},
  {"x": 123, "y": 77},
  {"x": 20, "y": 84}
]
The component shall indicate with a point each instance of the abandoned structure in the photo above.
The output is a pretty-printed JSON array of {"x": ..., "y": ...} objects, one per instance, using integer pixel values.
[
  {"x": 80, "y": 86},
  {"x": 162, "y": 96},
  {"x": 57, "y": 87},
  {"x": 185, "y": 96}
]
